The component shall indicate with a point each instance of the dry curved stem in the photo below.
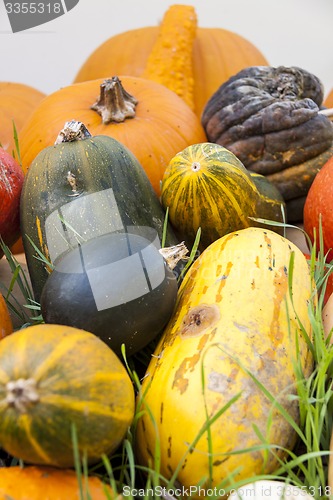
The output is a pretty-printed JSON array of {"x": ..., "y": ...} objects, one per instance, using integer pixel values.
[
  {"x": 172, "y": 255},
  {"x": 72, "y": 131},
  {"x": 114, "y": 103}
]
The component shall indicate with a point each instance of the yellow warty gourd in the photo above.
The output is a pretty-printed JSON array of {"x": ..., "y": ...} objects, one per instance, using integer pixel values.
[{"x": 171, "y": 59}]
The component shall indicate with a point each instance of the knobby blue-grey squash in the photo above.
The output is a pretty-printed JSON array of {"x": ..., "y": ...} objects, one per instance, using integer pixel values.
[{"x": 272, "y": 119}]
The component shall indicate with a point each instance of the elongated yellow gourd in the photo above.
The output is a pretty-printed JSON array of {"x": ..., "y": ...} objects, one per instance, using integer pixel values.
[
  {"x": 171, "y": 59},
  {"x": 233, "y": 343}
]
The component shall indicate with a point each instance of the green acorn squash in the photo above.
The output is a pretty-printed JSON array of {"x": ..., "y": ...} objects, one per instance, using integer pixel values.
[{"x": 79, "y": 189}]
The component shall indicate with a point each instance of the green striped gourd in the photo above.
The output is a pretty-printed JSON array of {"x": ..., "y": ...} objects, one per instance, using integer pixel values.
[{"x": 207, "y": 186}]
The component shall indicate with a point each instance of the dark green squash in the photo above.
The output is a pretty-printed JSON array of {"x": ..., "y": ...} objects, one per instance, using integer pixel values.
[
  {"x": 82, "y": 188},
  {"x": 117, "y": 286}
]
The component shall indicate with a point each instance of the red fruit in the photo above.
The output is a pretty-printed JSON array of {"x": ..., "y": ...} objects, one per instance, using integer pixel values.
[
  {"x": 319, "y": 207},
  {"x": 11, "y": 181}
]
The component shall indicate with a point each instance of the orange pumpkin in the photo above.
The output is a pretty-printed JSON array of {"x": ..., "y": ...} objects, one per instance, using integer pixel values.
[
  {"x": 190, "y": 60},
  {"x": 17, "y": 248},
  {"x": 40, "y": 483},
  {"x": 17, "y": 101},
  {"x": 328, "y": 102},
  {"x": 6, "y": 324},
  {"x": 152, "y": 121}
]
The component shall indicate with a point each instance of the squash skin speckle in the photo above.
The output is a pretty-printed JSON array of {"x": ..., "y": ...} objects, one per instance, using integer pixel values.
[{"x": 245, "y": 275}]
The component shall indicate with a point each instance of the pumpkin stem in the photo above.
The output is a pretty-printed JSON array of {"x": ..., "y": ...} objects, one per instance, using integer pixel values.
[
  {"x": 72, "y": 131},
  {"x": 172, "y": 255},
  {"x": 22, "y": 393},
  {"x": 171, "y": 59},
  {"x": 114, "y": 104}
]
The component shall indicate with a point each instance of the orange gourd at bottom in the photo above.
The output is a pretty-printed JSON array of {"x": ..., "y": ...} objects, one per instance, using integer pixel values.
[{"x": 41, "y": 483}]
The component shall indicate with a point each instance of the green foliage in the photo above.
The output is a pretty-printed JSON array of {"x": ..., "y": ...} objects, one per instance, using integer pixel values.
[{"x": 29, "y": 313}]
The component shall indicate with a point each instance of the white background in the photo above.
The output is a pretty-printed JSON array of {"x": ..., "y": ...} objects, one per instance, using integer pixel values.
[{"x": 287, "y": 32}]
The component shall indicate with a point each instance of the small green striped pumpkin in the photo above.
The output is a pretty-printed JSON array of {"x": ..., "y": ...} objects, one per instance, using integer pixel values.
[
  {"x": 207, "y": 186},
  {"x": 54, "y": 379}
]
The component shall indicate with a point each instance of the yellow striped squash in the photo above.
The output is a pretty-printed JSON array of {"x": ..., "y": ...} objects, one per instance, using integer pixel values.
[
  {"x": 234, "y": 335},
  {"x": 207, "y": 186},
  {"x": 53, "y": 378}
]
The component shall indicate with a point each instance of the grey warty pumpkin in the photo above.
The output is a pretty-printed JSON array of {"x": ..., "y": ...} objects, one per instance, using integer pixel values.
[{"x": 271, "y": 119}]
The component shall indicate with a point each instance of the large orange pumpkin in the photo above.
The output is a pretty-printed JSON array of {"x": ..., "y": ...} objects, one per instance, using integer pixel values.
[
  {"x": 41, "y": 483},
  {"x": 17, "y": 101},
  {"x": 190, "y": 60},
  {"x": 151, "y": 120}
]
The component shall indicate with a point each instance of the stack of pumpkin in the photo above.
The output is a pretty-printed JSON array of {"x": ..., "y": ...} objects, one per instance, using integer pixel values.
[{"x": 118, "y": 171}]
